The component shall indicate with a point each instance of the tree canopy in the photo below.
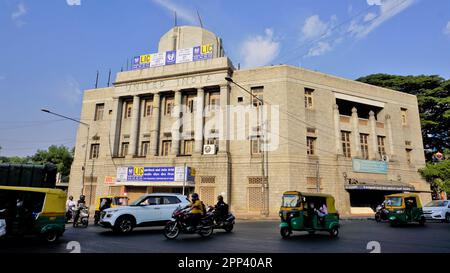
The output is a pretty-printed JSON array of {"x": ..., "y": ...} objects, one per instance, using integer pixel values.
[{"x": 433, "y": 95}]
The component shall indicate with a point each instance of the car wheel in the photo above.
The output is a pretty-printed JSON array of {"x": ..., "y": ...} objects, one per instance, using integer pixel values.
[
  {"x": 124, "y": 225},
  {"x": 285, "y": 232},
  {"x": 334, "y": 232},
  {"x": 422, "y": 221},
  {"x": 447, "y": 218}
]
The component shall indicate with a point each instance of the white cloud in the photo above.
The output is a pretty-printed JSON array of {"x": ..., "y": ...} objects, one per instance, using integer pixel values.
[
  {"x": 260, "y": 50},
  {"x": 319, "y": 49},
  {"x": 182, "y": 12},
  {"x": 387, "y": 9},
  {"x": 18, "y": 14},
  {"x": 447, "y": 29},
  {"x": 314, "y": 28}
]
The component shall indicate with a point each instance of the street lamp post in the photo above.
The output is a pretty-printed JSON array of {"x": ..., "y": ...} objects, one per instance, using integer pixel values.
[
  {"x": 264, "y": 161},
  {"x": 86, "y": 145}
]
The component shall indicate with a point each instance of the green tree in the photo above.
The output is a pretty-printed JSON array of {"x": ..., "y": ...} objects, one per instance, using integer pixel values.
[
  {"x": 438, "y": 174},
  {"x": 433, "y": 95},
  {"x": 61, "y": 156}
]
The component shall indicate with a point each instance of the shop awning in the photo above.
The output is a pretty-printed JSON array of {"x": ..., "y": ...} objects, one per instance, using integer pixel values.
[{"x": 377, "y": 185}]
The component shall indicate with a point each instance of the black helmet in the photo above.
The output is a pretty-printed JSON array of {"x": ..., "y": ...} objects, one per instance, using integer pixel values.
[
  {"x": 82, "y": 197},
  {"x": 220, "y": 198},
  {"x": 194, "y": 196}
]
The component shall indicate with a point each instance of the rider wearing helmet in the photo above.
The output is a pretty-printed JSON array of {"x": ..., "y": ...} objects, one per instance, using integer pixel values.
[
  {"x": 221, "y": 208},
  {"x": 81, "y": 203},
  {"x": 196, "y": 212}
]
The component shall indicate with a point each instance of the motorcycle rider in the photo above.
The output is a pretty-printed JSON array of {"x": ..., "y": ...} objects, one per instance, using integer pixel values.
[
  {"x": 81, "y": 203},
  {"x": 70, "y": 205},
  {"x": 196, "y": 213},
  {"x": 221, "y": 209}
]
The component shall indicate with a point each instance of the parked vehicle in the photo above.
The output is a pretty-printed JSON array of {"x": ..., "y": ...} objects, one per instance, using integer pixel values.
[
  {"x": 83, "y": 219},
  {"x": 437, "y": 210},
  {"x": 404, "y": 208},
  {"x": 33, "y": 211},
  {"x": 179, "y": 225},
  {"x": 381, "y": 213},
  {"x": 154, "y": 209},
  {"x": 108, "y": 202},
  {"x": 225, "y": 222},
  {"x": 298, "y": 212}
]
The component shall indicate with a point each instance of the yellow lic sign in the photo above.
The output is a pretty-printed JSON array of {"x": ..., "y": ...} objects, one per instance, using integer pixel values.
[{"x": 138, "y": 171}]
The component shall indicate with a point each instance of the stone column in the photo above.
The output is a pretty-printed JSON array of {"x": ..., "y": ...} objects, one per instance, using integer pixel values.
[
  {"x": 134, "y": 132},
  {"x": 176, "y": 132},
  {"x": 115, "y": 126},
  {"x": 355, "y": 129},
  {"x": 199, "y": 121},
  {"x": 390, "y": 136},
  {"x": 224, "y": 120},
  {"x": 373, "y": 135},
  {"x": 337, "y": 129},
  {"x": 154, "y": 125}
]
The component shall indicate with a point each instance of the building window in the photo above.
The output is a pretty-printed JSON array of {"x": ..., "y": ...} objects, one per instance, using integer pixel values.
[
  {"x": 169, "y": 106},
  {"x": 124, "y": 150},
  {"x": 345, "y": 137},
  {"x": 148, "y": 108},
  {"x": 144, "y": 148},
  {"x": 408, "y": 156},
  {"x": 311, "y": 145},
  {"x": 404, "y": 116},
  {"x": 309, "y": 102},
  {"x": 190, "y": 99},
  {"x": 381, "y": 145},
  {"x": 95, "y": 149},
  {"x": 214, "y": 101},
  {"x": 166, "y": 147},
  {"x": 256, "y": 142},
  {"x": 257, "y": 97},
  {"x": 188, "y": 147},
  {"x": 364, "y": 145},
  {"x": 99, "y": 109},
  {"x": 128, "y": 109}
]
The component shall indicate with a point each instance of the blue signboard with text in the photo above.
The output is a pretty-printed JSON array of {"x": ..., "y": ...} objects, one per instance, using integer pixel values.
[
  {"x": 155, "y": 174},
  {"x": 369, "y": 166}
]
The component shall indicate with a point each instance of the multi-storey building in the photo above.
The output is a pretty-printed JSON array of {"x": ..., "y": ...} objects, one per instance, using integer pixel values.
[{"x": 323, "y": 133}]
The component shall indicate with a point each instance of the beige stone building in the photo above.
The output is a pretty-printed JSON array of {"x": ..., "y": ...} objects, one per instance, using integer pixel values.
[{"x": 353, "y": 140}]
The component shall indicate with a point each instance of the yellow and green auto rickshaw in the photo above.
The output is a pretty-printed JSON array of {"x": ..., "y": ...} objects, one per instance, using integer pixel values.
[
  {"x": 309, "y": 212},
  {"x": 106, "y": 202},
  {"x": 404, "y": 208},
  {"x": 33, "y": 211}
]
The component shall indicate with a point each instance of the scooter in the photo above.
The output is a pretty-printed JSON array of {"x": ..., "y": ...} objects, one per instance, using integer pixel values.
[
  {"x": 381, "y": 214},
  {"x": 226, "y": 223},
  {"x": 178, "y": 225},
  {"x": 83, "y": 218}
]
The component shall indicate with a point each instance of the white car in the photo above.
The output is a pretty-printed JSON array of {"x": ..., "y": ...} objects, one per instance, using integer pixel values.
[
  {"x": 150, "y": 210},
  {"x": 437, "y": 210}
]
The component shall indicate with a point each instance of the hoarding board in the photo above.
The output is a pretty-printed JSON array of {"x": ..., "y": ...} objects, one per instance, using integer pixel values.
[
  {"x": 370, "y": 166},
  {"x": 154, "y": 174}
]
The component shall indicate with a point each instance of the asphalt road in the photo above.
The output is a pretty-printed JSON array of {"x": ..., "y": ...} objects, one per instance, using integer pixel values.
[{"x": 248, "y": 236}]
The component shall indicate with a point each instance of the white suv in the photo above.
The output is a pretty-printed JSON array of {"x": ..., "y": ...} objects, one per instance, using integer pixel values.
[
  {"x": 150, "y": 210},
  {"x": 437, "y": 210}
]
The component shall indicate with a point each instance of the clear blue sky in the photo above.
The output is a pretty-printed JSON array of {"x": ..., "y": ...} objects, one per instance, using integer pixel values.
[{"x": 50, "y": 50}]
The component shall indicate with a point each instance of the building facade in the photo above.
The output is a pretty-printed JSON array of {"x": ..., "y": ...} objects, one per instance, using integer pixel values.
[{"x": 270, "y": 130}]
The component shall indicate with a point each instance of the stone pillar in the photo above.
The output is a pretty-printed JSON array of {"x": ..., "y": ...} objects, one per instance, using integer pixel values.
[
  {"x": 224, "y": 120},
  {"x": 390, "y": 136},
  {"x": 115, "y": 126},
  {"x": 199, "y": 121},
  {"x": 176, "y": 128},
  {"x": 355, "y": 129},
  {"x": 373, "y": 135},
  {"x": 134, "y": 132},
  {"x": 337, "y": 129},
  {"x": 154, "y": 125}
]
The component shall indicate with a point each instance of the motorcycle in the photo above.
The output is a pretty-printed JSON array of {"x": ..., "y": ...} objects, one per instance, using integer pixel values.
[
  {"x": 178, "y": 225},
  {"x": 69, "y": 214},
  {"x": 226, "y": 223},
  {"x": 83, "y": 218},
  {"x": 381, "y": 214}
]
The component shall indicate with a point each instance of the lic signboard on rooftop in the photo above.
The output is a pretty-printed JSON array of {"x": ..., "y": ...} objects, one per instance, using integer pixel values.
[{"x": 186, "y": 55}]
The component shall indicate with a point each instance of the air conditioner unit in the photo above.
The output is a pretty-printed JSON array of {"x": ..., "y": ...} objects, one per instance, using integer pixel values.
[
  {"x": 385, "y": 158},
  {"x": 209, "y": 149}
]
